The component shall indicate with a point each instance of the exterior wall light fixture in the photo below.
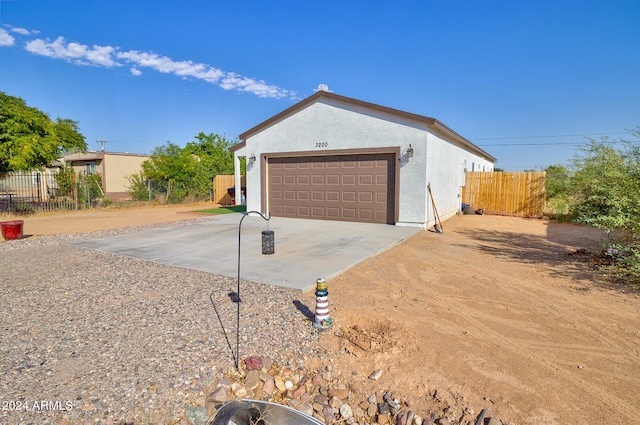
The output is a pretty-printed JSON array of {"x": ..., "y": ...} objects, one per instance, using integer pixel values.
[
  {"x": 408, "y": 151},
  {"x": 252, "y": 158}
]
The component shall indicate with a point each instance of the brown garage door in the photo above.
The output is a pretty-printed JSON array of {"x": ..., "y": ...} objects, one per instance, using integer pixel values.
[{"x": 341, "y": 187}]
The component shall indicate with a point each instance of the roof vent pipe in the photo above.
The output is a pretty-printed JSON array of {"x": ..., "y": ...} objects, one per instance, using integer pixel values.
[{"x": 323, "y": 87}]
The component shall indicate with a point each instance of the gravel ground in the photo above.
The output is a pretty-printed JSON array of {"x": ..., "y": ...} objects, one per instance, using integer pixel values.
[{"x": 92, "y": 337}]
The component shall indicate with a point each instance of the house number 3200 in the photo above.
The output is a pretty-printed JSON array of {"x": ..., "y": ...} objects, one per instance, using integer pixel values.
[{"x": 322, "y": 144}]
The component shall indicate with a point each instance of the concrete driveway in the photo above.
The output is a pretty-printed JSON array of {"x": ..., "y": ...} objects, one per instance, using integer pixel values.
[{"x": 304, "y": 249}]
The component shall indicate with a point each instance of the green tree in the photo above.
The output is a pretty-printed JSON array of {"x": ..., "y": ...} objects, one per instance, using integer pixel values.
[
  {"x": 183, "y": 173},
  {"x": 558, "y": 190},
  {"x": 66, "y": 180},
  {"x": 29, "y": 139},
  {"x": 557, "y": 181},
  {"x": 605, "y": 185},
  {"x": 213, "y": 156},
  {"x": 606, "y": 194}
]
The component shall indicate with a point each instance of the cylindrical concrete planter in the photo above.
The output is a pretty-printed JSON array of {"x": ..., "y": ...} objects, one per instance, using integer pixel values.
[{"x": 11, "y": 229}]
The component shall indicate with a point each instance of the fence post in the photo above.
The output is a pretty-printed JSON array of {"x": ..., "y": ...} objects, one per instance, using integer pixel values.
[{"x": 75, "y": 191}]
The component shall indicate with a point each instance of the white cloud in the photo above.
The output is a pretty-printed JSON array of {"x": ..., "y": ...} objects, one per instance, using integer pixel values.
[
  {"x": 233, "y": 81},
  {"x": 108, "y": 56},
  {"x": 101, "y": 55},
  {"x": 21, "y": 31},
  {"x": 6, "y": 39},
  {"x": 80, "y": 54},
  {"x": 168, "y": 66}
]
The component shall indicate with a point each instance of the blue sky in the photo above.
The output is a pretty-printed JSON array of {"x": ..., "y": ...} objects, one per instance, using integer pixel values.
[{"x": 525, "y": 80}]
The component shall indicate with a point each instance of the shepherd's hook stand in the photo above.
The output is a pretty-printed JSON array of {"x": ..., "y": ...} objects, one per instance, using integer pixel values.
[{"x": 268, "y": 247}]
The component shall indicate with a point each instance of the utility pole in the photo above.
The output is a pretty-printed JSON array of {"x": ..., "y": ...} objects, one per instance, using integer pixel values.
[{"x": 102, "y": 143}]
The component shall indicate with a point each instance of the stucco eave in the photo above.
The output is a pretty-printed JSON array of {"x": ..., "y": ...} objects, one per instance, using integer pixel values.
[{"x": 442, "y": 129}]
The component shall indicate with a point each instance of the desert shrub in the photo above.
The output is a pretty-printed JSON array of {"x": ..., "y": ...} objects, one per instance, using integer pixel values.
[
  {"x": 605, "y": 193},
  {"x": 625, "y": 253},
  {"x": 605, "y": 186},
  {"x": 558, "y": 191}
]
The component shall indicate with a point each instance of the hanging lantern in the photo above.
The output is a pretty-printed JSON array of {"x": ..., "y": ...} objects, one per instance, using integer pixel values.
[{"x": 268, "y": 242}]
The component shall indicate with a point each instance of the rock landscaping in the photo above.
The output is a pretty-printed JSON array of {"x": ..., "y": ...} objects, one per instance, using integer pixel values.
[{"x": 329, "y": 398}]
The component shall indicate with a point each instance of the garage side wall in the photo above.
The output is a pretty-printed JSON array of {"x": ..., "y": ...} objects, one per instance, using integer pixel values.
[
  {"x": 327, "y": 127},
  {"x": 446, "y": 168}
]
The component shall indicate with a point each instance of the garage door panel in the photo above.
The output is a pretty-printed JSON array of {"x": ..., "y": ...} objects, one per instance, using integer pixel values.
[
  {"x": 333, "y": 196},
  {"x": 365, "y": 196},
  {"x": 365, "y": 179},
  {"x": 348, "y": 213},
  {"x": 349, "y": 196},
  {"x": 365, "y": 215},
  {"x": 333, "y": 213},
  {"x": 349, "y": 179},
  {"x": 341, "y": 187},
  {"x": 304, "y": 212},
  {"x": 333, "y": 179},
  {"x": 304, "y": 195}
]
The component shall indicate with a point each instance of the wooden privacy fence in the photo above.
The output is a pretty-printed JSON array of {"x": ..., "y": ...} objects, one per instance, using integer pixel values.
[
  {"x": 220, "y": 185},
  {"x": 510, "y": 193}
]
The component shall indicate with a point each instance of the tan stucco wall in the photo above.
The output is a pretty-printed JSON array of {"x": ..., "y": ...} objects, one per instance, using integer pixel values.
[
  {"x": 117, "y": 167},
  {"x": 113, "y": 167}
]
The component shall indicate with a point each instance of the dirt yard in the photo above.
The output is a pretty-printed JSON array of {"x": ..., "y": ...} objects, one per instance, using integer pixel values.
[
  {"x": 495, "y": 311},
  {"x": 56, "y": 223}
]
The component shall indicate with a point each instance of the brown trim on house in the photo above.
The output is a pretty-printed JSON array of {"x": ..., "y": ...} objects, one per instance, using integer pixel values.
[
  {"x": 238, "y": 146},
  {"x": 331, "y": 152},
  {"x": 264, "y": 165},
  {"x": 432, "y": 123},
  {"x": 448, "y": 133}
]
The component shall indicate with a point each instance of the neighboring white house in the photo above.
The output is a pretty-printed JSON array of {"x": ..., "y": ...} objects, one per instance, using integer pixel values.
[{"x": 336, "y": 158}]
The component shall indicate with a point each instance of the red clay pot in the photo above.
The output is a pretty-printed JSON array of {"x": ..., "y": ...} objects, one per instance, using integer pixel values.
[{"x": 11, "y": 229}]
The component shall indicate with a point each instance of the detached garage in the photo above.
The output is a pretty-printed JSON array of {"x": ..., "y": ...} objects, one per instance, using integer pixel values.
[{"x": 330, "y": 157}]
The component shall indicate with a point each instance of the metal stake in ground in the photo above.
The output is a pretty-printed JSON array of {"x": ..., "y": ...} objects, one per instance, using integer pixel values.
[{"x": 268, "y": 247}]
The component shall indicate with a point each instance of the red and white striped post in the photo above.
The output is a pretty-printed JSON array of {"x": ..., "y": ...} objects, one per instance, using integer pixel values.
[{"x": 322, "y": 319}]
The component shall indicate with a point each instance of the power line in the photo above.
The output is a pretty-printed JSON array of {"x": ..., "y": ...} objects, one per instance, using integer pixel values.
[
  {"x": 547, "y": 136},
  {"x": 557, "y": 143}
]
